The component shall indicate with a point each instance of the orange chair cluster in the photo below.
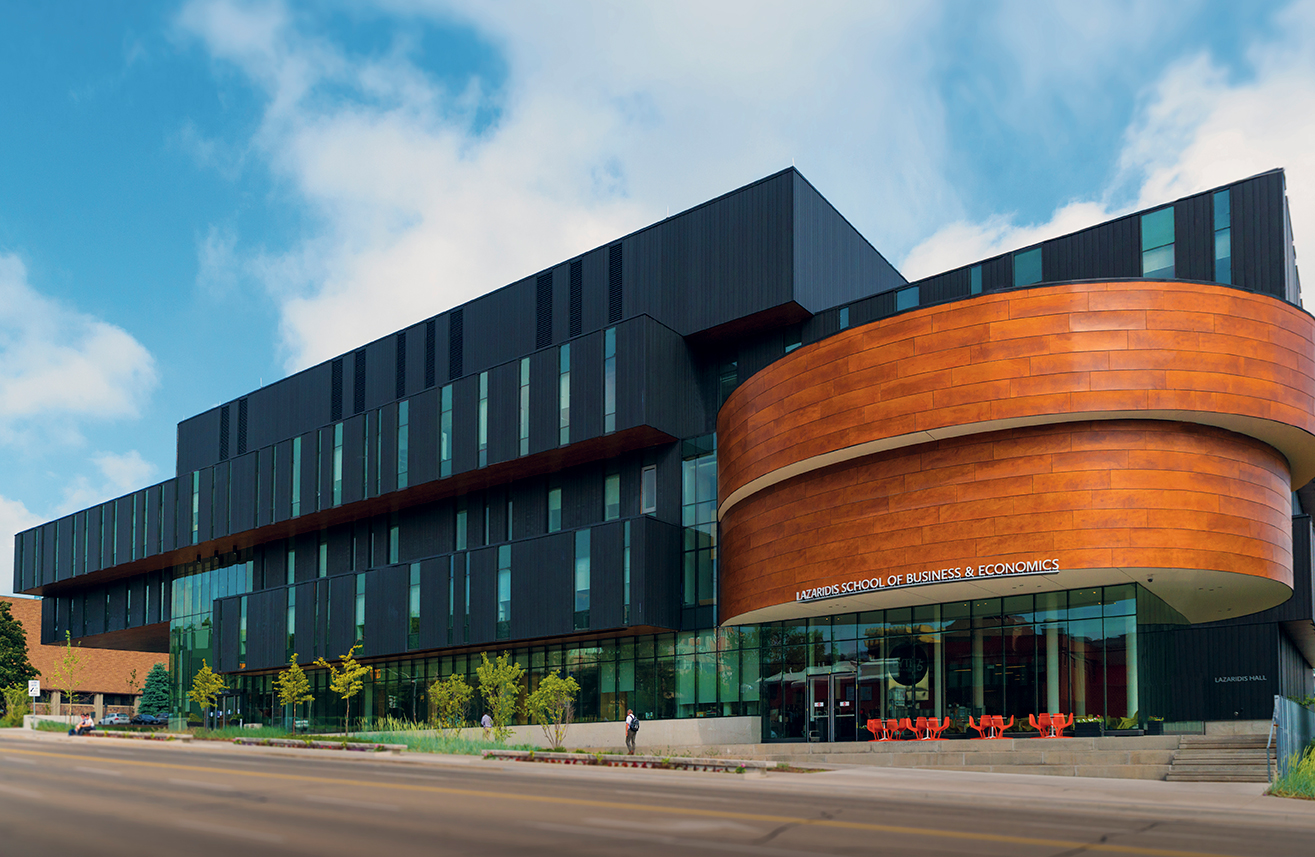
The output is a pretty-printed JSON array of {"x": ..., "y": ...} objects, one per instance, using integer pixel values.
[{"x": 988, "y": 726}]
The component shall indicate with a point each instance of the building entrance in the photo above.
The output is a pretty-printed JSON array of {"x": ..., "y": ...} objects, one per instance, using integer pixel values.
[{"x": 833, "y": 707}]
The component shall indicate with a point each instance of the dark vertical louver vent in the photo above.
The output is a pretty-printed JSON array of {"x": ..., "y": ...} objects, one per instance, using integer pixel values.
[
  {"x": 223, "y": 433},
  {"x": 430, "y": 357},
  {"x": 456, "y": 343},
  {"x": 335, "y": 391},
  {"x": 614, "y": 283},
  {"x": 543, "y": 311},
  {"x": 401, "y": 365},
  {"x": 577, "y": 297},
  {"x": 241, "y": 426},
  {"x": 358, "y": 382}
]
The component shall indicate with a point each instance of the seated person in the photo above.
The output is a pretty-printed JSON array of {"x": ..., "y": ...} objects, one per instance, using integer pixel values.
[{"x": 86, "y": 725}]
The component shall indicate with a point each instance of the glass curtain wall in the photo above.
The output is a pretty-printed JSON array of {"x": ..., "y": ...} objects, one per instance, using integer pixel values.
[{"x": 195, "y": 587}]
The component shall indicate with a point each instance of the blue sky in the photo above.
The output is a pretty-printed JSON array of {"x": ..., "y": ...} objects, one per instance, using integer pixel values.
[{"x": 200, "y": 197}]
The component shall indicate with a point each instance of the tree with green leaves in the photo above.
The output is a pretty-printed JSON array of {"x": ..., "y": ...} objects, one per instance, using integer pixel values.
[
  {"x": 64, "y": 675},
  {"x": 449, "y": 700},
  {"x": 552, "y": 706},
  {"x": 15, "y": 668},
  {"x": 500, "y": 685},
  {"x": 16, "y": 705},
  {"x": 345, "y": 679},
  {"x": 155, "y": 693},
  {"x": 206, "y": 687},
  {"x": 293, "y": 688}
]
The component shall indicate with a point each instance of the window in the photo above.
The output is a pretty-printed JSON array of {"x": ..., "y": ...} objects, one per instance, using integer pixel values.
[
  {"x": 394, "y": 543},
  {"x": 292, "y": 566},
  {"x": 413, "y": 623},
  {"x": 564, "y": 394},
  {"x": 511, "y": 514},
  {"x": 699, "y": 517},
  {"x": 465, "y": 631},
  {"x": 461, "y": 527},
  {"x": 794, "y": 337},
  {"x": 609, "y": 379},
  {"x": 1223, "y": 237},
  {"x": 337, "y": 464},
  {"x": 611, "y": 497},
  {"x": 132, "y": 543},
  {"x": 378, "y": 449},
  {"x": 322, "y": 561},
  {"x": 581, "y": 580},
  {"x": 242, "y": 633},
  {"x": 625, "y": 577},
  {"x": 906, "y": 299},
  {"x": 1157, "y": 244},
  {"x": 648, "y": 490},
  {"x": 975, "y": 280},
  {"x": 554, "y": 510},
  {"x": 844, "y": 317},
  {"x": 196, "y": 506},
  {"x": 728, "y": 378},
  {"x": 292, "y": 622},
  {"x": 451, "y": 593},
  {"x": 403, "y": 439},
  {"x": 360, "y": 607},
  {"x": 1027, "y": 267},
  {"x": 445, "y": 433},
  {"x": 296, "y": 476},
  {"x": 525, "y": 406},
  {"x": 483, "y": 418},
  {"x": 504, "y": 592}
]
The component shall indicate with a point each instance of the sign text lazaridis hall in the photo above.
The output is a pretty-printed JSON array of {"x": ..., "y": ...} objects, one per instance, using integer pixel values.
[{"x": 922, "y": 578}]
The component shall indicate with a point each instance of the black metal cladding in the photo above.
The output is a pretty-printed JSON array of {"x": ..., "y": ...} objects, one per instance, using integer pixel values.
[
  {"x": 456, "y": 344},
  {"x": 577, "y": 298},
  {"x": 242, "y": 420},
  {"x": 430, "y": 331},
  {"x": 400, "y": 392},
  {"x": 614, "y": 272},
  {"x": 223, "y": 433},
  {"x": 543, "y": 310},
  {"x": 358, "y": 382},
  {"x": 335, "y": 391}
]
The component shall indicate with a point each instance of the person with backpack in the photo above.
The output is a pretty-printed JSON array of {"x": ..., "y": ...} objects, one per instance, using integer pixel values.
[{"x": 632, "y": 728}]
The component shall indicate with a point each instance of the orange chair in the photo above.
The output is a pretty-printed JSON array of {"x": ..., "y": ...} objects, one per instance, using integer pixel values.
[
  {"x": 879, "y": 730},
  {"x": 895, "y": 729},
  {"x": 1050, "y": 725},
  {"x": 990, "y": 726},
  {"x": 920, "y": 730},
  {"x": 935, "y": 728}
]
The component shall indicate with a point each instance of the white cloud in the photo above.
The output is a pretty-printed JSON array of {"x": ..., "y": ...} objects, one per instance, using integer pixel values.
[
  {"x": 119, "y": 473},
  {"x": 1199, "y": 126},
  {"x": 59, "y": 366},
  {"x": 14, "y": 518}
]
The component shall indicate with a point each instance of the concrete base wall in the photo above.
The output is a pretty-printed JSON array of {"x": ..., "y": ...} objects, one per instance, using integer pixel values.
[
  {"x": 1237, "y": 727},
  {"x": 655, "y": 736}
]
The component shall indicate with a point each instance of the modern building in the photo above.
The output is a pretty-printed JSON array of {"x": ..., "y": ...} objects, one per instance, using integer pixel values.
[
  {"x": 107, "y": 680},
  {"x": 735, "y": 465}
]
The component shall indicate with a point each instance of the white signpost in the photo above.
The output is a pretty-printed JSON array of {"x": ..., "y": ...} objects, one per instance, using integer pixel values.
[{"x": 34, "y": 688}]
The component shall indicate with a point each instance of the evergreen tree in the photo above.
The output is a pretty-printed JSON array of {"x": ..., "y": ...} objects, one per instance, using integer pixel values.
[
  {"x": 15, "y": 668},
  {"x": 155, "y": 694}
]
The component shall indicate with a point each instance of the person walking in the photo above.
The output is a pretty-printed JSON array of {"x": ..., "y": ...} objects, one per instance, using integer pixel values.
[
  {"x": 632, "y": 728},
  {"x": 487, "y": 723}
]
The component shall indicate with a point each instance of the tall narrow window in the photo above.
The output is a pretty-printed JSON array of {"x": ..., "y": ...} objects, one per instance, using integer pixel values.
[
  {"x": 648, "y": 490},
  {"x": 451, "y": 595},
  {"x": 975, "y": 280},
  {"x": 132, "y": 544},
  {"x": 728, "y": 378},
  {"x": 1223, "y": 237},
  {"x": 292, "y": 566},
  {"x": 337, "y": 464},
  {"x": 483, "y": 418},
  {"x": 316, "y": 466},
  {"x": 465, "y": 631},
  {"x": 554, "y": 510},
  {"x": 625, "y": 576},
  {"x": 296, "y": 476},
  {"x": 844, "y": 317},
  {"x": 378, "y": 451},
  {"x": 504, "y": 592},
  {"x": 292, "y": 622},
  {"x": 322, "y": 560},
  {"x": 511, "y": 516},
  {"x": 611, "y": 497},
  {"x": 196, "y": 505},
  {"x": 525, "y": 406},
  {"x": 581, "y": 580},
  {"x": 394, "y": 543},
  {"x": 242, "y": 634},
  {"x": 609, "y": 379},
  {"x": 360, "y": 607},
  {"x": 413, "y": 622},
  {"x": 403, "y": 438},
  {"x": 1157, "y": 244},
  {"x": 461, "y": 527},
  {"x": 445, "y": 433},
  {"x": 564, "y": 394},
  {"x": 1027, "y": 267}
]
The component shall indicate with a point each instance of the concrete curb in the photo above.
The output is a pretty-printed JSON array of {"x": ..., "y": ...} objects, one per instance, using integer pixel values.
[
  {"x": 627, "y": 761},
  {"x": 294, "y": 744}
]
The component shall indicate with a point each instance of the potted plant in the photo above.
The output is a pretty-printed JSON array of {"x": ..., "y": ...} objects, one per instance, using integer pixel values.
[
  {"x": 1088, "y": 726},
  {"x": 1155, "y": 725}
]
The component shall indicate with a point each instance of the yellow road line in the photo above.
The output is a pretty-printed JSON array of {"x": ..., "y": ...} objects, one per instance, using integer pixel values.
[{"x": 638, "y": 807}]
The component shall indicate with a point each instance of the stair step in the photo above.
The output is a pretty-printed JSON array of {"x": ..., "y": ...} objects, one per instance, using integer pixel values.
[{"x": 1215, "y": 778}]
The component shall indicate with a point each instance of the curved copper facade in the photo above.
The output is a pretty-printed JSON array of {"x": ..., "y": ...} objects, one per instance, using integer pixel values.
[{"x": 1133, "y": 431}]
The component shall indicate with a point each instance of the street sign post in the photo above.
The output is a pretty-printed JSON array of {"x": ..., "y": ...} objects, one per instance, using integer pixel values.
[{"x": 34, "y": 688}]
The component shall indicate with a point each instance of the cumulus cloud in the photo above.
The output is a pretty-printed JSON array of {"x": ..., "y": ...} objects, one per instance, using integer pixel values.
[
  {"x": 14, "y": 518},
  {"x": 118, "y": 473},
  {"x": 1200, "y": 125},
  {"x": 59, "y": 366}
]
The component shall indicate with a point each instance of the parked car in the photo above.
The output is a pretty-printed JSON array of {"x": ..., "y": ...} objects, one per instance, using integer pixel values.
[
  {"x": 115, "y": 719},
  {"x": 150, "y": 720}
]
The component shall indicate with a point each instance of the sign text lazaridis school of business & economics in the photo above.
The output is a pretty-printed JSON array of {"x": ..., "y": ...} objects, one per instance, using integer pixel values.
[{"x": 922, "y": 578}]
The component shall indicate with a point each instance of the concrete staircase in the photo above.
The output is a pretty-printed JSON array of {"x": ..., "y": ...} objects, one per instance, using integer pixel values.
[{"x": 1221, "y": 759}]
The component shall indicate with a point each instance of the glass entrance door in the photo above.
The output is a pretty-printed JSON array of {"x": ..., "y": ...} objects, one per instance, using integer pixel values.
[
  {"x": 845, "y": 706},
  {"x": 819, "y": 708}
]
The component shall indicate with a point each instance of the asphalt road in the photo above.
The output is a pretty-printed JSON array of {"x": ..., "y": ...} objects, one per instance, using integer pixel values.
[{"x": 103, "y": 797}]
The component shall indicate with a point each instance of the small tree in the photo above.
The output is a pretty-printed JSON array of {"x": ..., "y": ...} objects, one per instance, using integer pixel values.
[
  {"x": 293, "y": 688},
  {"x": 155, "y": 693},
  {"x": 499, "y": 684},
  {"x": 65, "y": 673},
  {"x": 345, "y": 679},
  {"x": 552, "y": 706},
  {"x": 449, "y": 700},
  {"x": 206, "y": 687},
  {"x": 132, "y": 682},
  {"x": 15, "y": 705},
  {"x": 15, "y": 668}
]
